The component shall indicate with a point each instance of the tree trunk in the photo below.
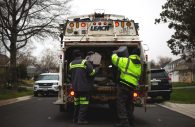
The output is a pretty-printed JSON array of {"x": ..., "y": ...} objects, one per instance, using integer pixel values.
[{"x": 13, "y": 69}]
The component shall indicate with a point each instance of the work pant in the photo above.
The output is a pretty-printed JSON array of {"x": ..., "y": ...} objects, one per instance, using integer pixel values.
[
  {"x": 81, "y": 103},
  {"x": 125, "y": 103}
]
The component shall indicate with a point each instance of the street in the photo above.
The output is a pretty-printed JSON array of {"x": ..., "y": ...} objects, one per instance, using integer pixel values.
[{"x": 40, "y": 112}]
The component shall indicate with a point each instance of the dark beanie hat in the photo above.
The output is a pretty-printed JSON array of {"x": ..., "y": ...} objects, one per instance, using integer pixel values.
[
  {"x": 135, "y": 51},
  {"x": 76, "y": 53}
]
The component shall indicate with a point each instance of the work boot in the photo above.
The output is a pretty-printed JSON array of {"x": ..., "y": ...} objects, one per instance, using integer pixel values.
[
  {"x": 123, "y": 123},
  {"x": 82, "y": 122}
]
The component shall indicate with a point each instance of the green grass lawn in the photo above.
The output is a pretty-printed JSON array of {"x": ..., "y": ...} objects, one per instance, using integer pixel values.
[
  {"x": 8, "y": 94},
  {"x": 29, "y": 83},
  {"x": 186, "y": 95},
  {"x": 181, "y": 84}
]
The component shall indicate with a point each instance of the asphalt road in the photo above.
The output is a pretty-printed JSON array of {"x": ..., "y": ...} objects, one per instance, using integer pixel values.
[{"x": 40, "y": 112}]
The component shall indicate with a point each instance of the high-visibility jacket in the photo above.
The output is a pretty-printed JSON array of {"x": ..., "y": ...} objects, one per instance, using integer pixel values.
[
  {"x": 81, "y": 70},
  {"x": 130, "y": 69}
]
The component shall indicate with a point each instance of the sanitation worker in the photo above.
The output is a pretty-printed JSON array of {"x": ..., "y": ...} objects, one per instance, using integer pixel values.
[
  {"x": 81, "y": 71},
  {"x": 130, "y": 71}
]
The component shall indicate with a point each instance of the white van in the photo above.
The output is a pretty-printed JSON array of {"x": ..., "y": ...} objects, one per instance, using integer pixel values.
[{"x": 47, "y": 83}]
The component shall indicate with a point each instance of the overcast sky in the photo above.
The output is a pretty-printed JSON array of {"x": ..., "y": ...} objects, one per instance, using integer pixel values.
[{"x": 142, "y": 11}]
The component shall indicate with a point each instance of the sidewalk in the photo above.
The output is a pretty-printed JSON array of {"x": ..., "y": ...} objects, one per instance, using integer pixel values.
[
  {"x": 186, "y": 109},
  {"x": 14, "y": 100}
]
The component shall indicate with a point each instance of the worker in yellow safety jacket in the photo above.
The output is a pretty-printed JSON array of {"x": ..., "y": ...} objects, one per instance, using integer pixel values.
[{"x": 130, "y": 71}]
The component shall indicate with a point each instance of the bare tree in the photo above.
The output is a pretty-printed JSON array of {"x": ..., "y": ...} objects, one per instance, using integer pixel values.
[
  {"x": 2, "y": 48},
  {"x": 20, "y": 20},
  {"x": 153, "y": 64},
  {"x": 25, "y": 56},
  {"x": 163, "y": 61},
  {"x": 49, "y": 60}
]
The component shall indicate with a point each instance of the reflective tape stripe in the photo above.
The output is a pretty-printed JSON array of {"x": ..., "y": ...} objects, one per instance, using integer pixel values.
[
  {"x": 82, "y": 65},
  {"x": 84, "y": 102},
  {"x": 130, "y": 74},
  {"x": 127, "y": 66},
  {"x": 76, "y": 101},
  {"x": 77, "y": 66},
  {"x": 117, "y": 61},
  {"x": 92, "y": 73},
  {"x": 125, "y": 83},
  {"x": 82, "y": 98},
  {"x": 83, "y": 61}
]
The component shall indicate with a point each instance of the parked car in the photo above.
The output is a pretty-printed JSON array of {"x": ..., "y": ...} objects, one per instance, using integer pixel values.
[
  {"x": 160, "y": 84},
  {"x": 47, "y": 83}
]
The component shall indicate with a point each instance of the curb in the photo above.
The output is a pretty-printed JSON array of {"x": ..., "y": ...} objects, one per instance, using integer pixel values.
[
  {"x": 185, "y": 109},
  {"x": 14, "y": 100}
]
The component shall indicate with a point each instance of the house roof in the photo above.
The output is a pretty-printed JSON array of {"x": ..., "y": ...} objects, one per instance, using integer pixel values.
[
  {"x": 181, "y": 64},
  {"x": 4, "y": 60}
]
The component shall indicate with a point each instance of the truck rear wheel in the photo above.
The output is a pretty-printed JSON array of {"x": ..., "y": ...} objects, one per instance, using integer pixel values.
[
  {"x": 130, "y": 114},
  {"x": 113, "y": 108}
]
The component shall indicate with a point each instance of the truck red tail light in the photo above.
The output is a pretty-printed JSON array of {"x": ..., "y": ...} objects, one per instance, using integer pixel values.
[
  {"x": 83, "y": 24},
  {"x": 135, "y": 94},
  {"x": 116, "y": 24},
  {"x": 71, "y": 93}
]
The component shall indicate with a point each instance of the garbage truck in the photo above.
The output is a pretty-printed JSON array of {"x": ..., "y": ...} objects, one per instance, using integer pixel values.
[{"x": 102, "y": 34}]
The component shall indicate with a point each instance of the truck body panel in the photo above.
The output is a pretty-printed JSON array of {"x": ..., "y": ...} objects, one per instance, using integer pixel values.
[{"x": 102, "y": 34}]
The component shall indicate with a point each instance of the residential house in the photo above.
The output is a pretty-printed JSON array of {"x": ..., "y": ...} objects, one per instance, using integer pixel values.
[
  {"x": 181, "y": 70},
  {"x": 4, "y": 63}
]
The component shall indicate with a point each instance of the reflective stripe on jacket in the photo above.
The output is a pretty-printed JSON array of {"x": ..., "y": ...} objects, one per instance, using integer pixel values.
[
  {"x": 130, "y": 68},
  {"x": 81, "y": 101},
  {"x": 81, "y": 70}
]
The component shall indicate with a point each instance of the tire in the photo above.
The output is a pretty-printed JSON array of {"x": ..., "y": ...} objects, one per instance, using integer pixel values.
[
  {"x": 130, "y": 114},
  {"x": 35, "y": 94},
  {"x": 113, "y": 108},
  {"x": 112, "y": 105}
]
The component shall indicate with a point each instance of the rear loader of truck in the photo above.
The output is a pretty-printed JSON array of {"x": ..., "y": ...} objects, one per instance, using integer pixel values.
[{"x": 102, "y": 34}]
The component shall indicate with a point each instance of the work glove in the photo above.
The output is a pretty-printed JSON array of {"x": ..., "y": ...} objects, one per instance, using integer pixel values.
[
  {"x": 97, "y": 69},
  {"x": 115, "y": 51}
]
